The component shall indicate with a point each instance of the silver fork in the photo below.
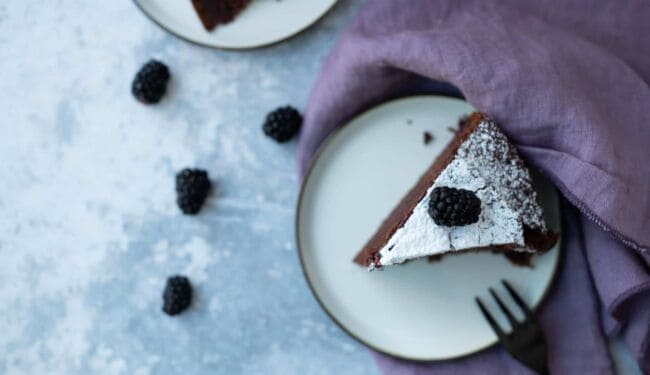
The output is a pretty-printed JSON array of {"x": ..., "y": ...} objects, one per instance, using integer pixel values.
[{"x": 526, "y": 342}]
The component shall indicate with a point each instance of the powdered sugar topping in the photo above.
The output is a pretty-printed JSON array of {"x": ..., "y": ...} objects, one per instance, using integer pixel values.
[
  {"x": 487, "y": 164},
  {"x": 488, "y": 151}
]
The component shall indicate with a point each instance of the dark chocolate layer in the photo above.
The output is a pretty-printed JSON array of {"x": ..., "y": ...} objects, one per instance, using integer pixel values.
[
  {"x": 215, "y": 12},
  {"x": 519, "y": 258}
]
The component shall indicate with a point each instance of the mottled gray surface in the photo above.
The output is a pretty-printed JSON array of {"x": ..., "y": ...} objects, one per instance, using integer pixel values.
[{"x": 89, "y": 229}]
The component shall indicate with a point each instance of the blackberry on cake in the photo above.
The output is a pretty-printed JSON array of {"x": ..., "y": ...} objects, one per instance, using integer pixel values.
[
  {"x": 453, "y": 207},
  {"x": 477, "y": 195},
  {"x": 150, "y": 83},
  {"x": 177, "y": 295},
  {"x": 213, "y": 13},
  {"x": 192, "y": 189},
  {"x": 282, "y": 124}
]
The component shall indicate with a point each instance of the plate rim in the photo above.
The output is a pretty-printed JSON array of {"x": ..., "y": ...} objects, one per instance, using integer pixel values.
[
  {"x": 231, "y": 48},
  {"x": 317, "y": 155}
]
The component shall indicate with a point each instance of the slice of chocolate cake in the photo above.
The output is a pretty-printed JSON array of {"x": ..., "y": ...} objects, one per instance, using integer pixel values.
[
  {"x": 217, "y": 12},
  {"x": 477, "y": 195}
]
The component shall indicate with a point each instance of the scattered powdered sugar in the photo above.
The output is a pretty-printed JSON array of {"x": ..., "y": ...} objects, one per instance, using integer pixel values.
[
  {"x": 487, "y": 164},
  {"x": 488, "y": 151}
]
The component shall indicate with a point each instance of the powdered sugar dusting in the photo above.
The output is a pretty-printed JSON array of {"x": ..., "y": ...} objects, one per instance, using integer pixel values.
[
  {"x": 487, "y": 164},
  {"x": 488, "y": 151},
  {"x": 498, "y": 224}
]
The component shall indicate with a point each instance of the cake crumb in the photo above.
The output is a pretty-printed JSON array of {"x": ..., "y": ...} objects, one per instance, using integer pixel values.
[
  {"x": 463, "y": 121},
  {"x": 427, "y": 137},
  {"x": 452, "y": 129},
  {"x": 409, "y": 121}
]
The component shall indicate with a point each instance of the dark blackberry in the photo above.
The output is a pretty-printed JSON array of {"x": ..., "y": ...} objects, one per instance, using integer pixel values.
[
  {"x": 150, "y": 82},
  {"x": 282, "y": 124},
  {"x": 192, "y": 188},
  {"x": 177, "y": 295},
  {"x": 453, "y": 207}
]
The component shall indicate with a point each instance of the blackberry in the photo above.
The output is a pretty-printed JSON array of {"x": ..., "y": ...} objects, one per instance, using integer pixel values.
[
  {"x": 177, "y": 295},
  {"x": 192, "y": 188},
  {"x": 282, "y": 124},
  {"x": 453, "y": 207},
  {"x": 150, "y": 82}
]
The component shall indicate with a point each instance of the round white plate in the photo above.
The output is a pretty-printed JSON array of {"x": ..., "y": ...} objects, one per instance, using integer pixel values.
[
  {"x": 419, "y": 310},
  {"x": 263, "y": 22}
]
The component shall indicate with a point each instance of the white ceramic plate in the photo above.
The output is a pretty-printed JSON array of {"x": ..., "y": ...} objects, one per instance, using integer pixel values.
[
  {"x": 420, "y": 310},
  {"x": 263, "y": 22}
]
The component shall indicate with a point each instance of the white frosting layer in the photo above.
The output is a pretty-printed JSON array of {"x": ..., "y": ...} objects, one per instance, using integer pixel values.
[{"x": 487, "y": 164}]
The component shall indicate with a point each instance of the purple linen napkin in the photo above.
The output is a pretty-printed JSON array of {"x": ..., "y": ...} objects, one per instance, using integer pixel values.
[{"x": 568, "y": 82}]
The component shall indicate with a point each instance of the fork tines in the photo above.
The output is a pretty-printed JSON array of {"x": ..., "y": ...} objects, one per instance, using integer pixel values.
[
  {"x": 511, "y": 318},
  {"x": 526, "y": 343}
]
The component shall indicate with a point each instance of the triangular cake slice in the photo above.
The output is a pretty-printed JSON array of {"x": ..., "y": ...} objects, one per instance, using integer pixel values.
[
  {"x": 217, "y": 12},
  {"x": 477, "y": 195}
]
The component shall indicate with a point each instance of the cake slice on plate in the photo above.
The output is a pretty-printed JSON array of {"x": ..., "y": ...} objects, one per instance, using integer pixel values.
[
  {"x": 216, "y": 12},
  {"x": 477, "y": 195}
]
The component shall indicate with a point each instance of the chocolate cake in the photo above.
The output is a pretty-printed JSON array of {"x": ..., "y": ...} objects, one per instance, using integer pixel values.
[
  {"x": 217, "y": 12},
  {"x": 476, "y": 196}
]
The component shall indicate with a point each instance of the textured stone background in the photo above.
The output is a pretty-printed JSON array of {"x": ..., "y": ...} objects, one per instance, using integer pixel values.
[{"x": 89, "y": 229}]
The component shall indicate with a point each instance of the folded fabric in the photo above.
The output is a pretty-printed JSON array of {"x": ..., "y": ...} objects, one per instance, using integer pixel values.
[{"x": 569, "y": 83}]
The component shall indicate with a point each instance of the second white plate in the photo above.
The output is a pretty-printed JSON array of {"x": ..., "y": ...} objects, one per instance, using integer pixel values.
[
  {"x": 420, "y": 310},
  {"x": 262, "y": 23}
]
